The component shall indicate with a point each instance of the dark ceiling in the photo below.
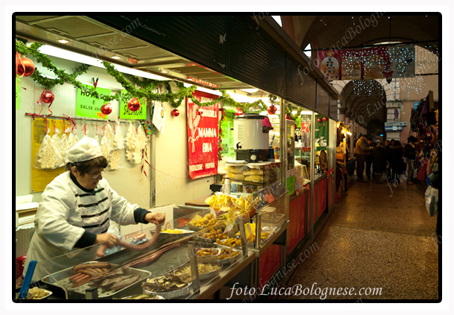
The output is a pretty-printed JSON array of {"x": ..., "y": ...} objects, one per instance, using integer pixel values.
[{"x": 357, "y": 31}]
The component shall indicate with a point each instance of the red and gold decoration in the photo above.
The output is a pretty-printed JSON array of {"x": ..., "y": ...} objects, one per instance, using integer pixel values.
[
  {"x": 324, "y": 120},
  {"x": 271, "y": 110},
  {"x": 134, "y": 104},
  {"x": 106, "y": 109},
  {"x": 24, "y": 66},
  {"x": 319, "y": 120},
  {"x": 238, "y": 111},
  {"x": 46, "y": 97},
  {"x": 175, "y": 112}
]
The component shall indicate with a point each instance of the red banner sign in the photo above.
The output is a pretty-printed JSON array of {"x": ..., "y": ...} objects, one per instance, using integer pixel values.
[{"x": 203, "y": 126}]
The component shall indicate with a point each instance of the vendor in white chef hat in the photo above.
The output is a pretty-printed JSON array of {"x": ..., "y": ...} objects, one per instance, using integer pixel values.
[{"x": 76, "y": 209}]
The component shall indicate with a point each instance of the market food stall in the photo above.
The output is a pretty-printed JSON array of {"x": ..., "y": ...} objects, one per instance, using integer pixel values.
[{"x": 153, "y": 113}]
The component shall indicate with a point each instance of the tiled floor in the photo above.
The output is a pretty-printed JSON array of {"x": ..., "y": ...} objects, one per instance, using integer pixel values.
[{"x": 377, "y": 238}]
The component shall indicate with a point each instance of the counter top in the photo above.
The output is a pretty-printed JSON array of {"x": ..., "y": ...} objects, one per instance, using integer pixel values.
[{"x": 198, "y": 202}]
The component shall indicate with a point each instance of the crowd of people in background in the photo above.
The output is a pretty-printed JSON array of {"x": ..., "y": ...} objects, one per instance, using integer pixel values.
[{"x": 387, "y": 158}]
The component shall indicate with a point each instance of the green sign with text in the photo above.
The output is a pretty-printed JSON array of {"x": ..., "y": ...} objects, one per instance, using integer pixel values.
[
  {"x": 125, "y": 113},
  {"x": 90, "y": 107}
]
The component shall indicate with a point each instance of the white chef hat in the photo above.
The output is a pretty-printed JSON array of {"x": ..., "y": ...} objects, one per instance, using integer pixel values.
[{"x": 84, "y": 150}]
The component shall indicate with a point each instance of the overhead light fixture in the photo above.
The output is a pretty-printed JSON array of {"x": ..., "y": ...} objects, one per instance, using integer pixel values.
[
  {"x": 163, "y": 71},
  {"x": 250, "y": 90},
  {"x": 116, "y": 57},
  {"x": 63, "y": 41},
  {"x": 304, "y": 112},
  {"x": 69, "y": 55}
]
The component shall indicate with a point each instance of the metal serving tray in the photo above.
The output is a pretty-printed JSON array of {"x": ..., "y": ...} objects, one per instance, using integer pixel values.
[{"x": 62, "y": 278}]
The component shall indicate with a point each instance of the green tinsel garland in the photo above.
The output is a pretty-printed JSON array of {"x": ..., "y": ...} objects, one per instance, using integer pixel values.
[
  {"x": 289, "y": 110},
  {"x": 146, "y": 85}
]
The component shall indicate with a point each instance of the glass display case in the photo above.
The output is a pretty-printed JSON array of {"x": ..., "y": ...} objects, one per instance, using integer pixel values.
[
  {"x": 247, "y": 178},
  {"x": 191, "y": 256},
  {"x": 181, "y": 261}
]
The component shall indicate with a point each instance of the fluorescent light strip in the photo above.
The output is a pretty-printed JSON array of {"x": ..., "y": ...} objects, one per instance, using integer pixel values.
[{"x": 69, "y": 55}]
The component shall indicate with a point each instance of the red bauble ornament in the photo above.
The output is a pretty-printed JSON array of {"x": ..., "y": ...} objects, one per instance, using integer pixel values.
[
  {"x": 325, "y": 119},
  {"x": 106, "y": 109},
  {"x": 238, "y": 111},
  {"x": 288, "y": 117},
  {"x": 319, "y": 120},
  {"x": 271, "y": 110},
  {"x": 134, "y": 104},
  {"x": 47, "y": 97},
  {"x": 24, "y": 66},
  {"x": 175, "y": 112}
]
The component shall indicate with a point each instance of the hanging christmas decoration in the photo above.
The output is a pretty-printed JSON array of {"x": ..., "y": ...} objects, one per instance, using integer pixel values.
[
  {"x": 175, "y": 112},
  {"x": 106, "y": 109},
  {"x": 272, "y": 110},
  {"x": 319, "y": 120},
  {"x": 134, "y": 104},
  {"x": 238, "y": 111},
  {"x": 324, "y": 120},
  {"x": 47, "y": 97},
  {"x": 24, "y": 66}
]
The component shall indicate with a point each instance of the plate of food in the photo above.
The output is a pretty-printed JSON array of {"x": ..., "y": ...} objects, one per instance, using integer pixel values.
[
  {"x": 207, "y": 255},
  {"x": 206, "y": 271},
  {"x": 213, "y": 235},
  {"x": 143, "y": 296},
  {"x": 176, "y": 231},
  {"x": 227, "y": 256},
  {"x": 36, "y": 293},
  {"x": 167, "y": 286},
  {"x": 199, "y": 223},
  {"x": 230, "y": 242}
]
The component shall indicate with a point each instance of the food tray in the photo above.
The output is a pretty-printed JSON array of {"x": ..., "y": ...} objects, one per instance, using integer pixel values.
[
  {"x": 151, "y": 296},
  {"x": 171, "y": 294},
  {"x": 46, "y": 292},
  {"x": 183, "y": 232},
  {"x": 208, "y": 259},
  {"x": 231, "y": 259},
  {"x": 62, "y": 278},
  {"x": 203, "y": 240},
  {"x": 208, "y": 275}
]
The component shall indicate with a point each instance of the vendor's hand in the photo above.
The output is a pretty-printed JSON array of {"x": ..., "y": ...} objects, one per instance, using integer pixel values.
[
  {"x": 108, "y": 239},
  {"x": 156, "y": 218}
]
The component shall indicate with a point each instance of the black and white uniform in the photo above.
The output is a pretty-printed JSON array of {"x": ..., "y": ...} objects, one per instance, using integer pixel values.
[{"x": 69, "y": 216}]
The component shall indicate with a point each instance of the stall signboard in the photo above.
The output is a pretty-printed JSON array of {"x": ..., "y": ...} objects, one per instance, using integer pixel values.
[
  {"x": 396, "y": 123},
  {"x": 90, "y": 107},
  {"x": 381, "y": 62},
  {"x": 203, "y": 126},
  {"x": 125, "y": 113},
  {"x": 393, "y": 128}
]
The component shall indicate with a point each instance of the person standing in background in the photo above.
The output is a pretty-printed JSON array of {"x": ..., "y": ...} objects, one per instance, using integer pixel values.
[
  {"x": 396, "y": 162},
  {"x": 361, "y": 148},
  {"x": 410, "y": 154},
  {"x": 379, "y": 162},
  {"x": 388, "y": 169},
  {"x": 369, "y": 158}
]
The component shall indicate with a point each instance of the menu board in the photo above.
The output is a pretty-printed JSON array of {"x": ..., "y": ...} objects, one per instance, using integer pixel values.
[
  {"x": 90, "y": 107},
  {"x": 203, "y": 127}
]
